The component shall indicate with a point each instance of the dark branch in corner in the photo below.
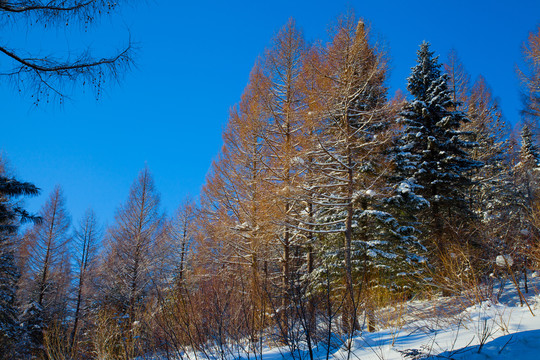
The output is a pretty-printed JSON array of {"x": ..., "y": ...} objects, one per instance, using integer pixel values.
[
  {"x": 34, "y": 5},
  {"x": 40, "y": 76}
]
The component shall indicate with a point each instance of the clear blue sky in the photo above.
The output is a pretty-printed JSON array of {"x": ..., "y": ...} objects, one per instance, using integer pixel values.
[{"x": 192, "y": 65}]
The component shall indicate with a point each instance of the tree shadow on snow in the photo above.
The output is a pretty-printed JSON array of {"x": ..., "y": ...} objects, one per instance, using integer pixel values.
[{"x": 523, "y": 345}]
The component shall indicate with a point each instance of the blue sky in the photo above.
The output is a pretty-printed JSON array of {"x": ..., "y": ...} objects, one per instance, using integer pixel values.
[{"x": 193, "y": 62}]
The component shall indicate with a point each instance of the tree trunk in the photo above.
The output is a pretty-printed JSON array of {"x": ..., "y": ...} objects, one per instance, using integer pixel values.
[
  {"x": 350, "y": 321},
  {"x": 285, "y": 284}
]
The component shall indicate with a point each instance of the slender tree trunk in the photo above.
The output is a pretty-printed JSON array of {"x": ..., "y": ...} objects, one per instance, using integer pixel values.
[
  {"x": 312, "y": 321},
  {"x": 369, "y": 306},
  {"x": 350, "y": 311},
  {"x": 183, "y": 253},
  {"x": 526, "y": 285},
  {"x": 285, "y": 284},
  {"x": 85, "y": 259},
  {"x": 311, "y": 259},
  {"x": 46, "y": 262},
  {"x": 254, "y": 298},
  {"x": 76, "y": 320}
]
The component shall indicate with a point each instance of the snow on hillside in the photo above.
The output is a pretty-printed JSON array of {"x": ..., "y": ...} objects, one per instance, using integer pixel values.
[
  {"x": 493, "y": 329},
  {"x": 444, "y": 328}
]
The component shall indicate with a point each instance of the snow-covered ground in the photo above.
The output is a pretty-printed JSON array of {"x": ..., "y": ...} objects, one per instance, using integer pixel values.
[
  {"x": 448, "y": 329},
  {"x": 484, "y": 331},
  {"x": 444, "y": 328}
]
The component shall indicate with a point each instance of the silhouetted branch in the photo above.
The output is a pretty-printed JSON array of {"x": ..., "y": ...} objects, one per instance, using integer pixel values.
[{"x": 42, "y": 75}]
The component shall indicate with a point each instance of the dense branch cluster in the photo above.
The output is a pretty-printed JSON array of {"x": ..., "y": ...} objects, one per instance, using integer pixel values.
[{"x": 42, "y": 75}]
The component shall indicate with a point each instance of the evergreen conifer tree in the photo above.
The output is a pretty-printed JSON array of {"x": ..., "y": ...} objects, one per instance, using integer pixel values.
[
  {"x": 529, "y": 151},
  {"x": 11, "y": 216},
  {"x": 526, "y": 172},
  {"x": 434, "y": 151}
]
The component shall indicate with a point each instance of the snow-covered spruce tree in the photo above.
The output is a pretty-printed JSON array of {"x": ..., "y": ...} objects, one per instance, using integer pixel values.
[
  {"x": 31, "y": 324},
  {"x": 435, "y": 153},
  {"x": 8, "y": 282},
  {"x": 529, "y": 151},
  {"x": 405, "y": 204},
  {"x": 11, "y": 216}
]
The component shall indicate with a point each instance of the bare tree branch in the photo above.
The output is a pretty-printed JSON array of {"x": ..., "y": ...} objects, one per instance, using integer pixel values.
[
  {"x": 41, "y": 76},
  {"x": 26, "y": 6},
  {"x": 66, "y": 68}
]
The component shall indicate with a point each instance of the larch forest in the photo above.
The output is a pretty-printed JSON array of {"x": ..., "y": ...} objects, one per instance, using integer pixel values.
[{"x": 330, "y": 201}]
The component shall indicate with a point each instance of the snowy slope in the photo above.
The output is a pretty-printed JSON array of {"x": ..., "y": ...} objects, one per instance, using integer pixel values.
[
  {"x": 444, "y": 328},
  {"x": 494, "y": 329}
]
